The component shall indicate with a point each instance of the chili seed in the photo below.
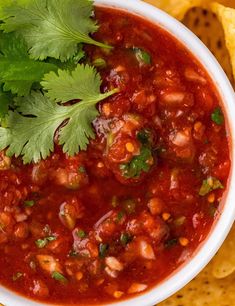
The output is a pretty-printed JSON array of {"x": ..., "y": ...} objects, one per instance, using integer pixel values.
[
  {"x": 79, "y": 276},
  {"x": 211, "y": 198},
  {"x": 183, "y": 241},
  {"x": 130, "y": 147},
  {"x": 100, "y": 165},
  {"x": 118, "y": 294},
  {"x": 166, "y": 216}
]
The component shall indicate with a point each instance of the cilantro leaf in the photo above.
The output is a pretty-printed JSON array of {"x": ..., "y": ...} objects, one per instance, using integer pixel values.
[
  {"x": 71, "y": 63},
  {"x": 138, "y": 164},
  {"x": 31, "y": 128},
  {"x": 51, "y": 28},
  {"x": 17, "y": 71},
  {"x": 5, "y": 102},
  {"x": 83, "y": 83}
]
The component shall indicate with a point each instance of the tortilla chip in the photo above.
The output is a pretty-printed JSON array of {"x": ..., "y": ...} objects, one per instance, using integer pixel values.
[
  {"x": 227, "y": 18},
  {"x": 229, "y": 3},
  {"x": 224, "y": 261},
  {"x": 207, "y": 289},
  {"x": 176, "y": 8},
  {"x": 204, "y": 23},
  {"x": 207, "y": 27}
]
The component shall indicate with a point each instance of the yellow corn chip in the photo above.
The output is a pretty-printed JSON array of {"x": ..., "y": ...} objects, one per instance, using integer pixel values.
[
  {"x": 227, "y": 18},
  {"x": 224, "y": 261},
  {"x": 207, "y": 289},
  {"x": 198, "y": 17},
  {"x": 207, "y": 27},
  {"x": 229, "y": 3},
  {"x": 176, "y": 8}
]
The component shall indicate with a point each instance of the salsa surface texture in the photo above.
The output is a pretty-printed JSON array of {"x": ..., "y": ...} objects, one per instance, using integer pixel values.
[{"x": 119, "y": 218}]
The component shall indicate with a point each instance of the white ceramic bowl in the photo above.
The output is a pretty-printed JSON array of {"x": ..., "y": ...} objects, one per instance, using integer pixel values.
[{"x": 219, "y": 232}]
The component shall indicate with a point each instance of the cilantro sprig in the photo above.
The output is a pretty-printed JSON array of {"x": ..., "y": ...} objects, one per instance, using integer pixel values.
[
  {"x": 51, "y": 28},
  {"x": 31, "y": 128},
  {"x": 41, "y": 45}
]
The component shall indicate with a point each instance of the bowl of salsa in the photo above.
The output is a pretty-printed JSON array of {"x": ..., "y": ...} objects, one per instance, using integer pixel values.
[{"x": 137, "y": 214}]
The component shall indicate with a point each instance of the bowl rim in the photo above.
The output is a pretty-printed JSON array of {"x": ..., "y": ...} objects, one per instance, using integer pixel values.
[{"x": 212, "y": 243}]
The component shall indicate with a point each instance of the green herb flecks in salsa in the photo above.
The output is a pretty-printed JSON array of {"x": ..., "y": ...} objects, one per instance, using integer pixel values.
[
  {"x": 138, "y": 164},
  {"x": 81, "y": 234},
  {"x": 120, "y": 216},
  {"x": 217, "y": 116},
  {"x": 59, "y": 277},
  {"x": 125, "y": 238},
  {"x": 170, "y": 243},
  {"x": 210, "y": 184},
  {"x": 142, "y": 56},
  {"x": 103, "y": 249},
  {"x": 41, "y": 243},
  {"x": 143, "y": 161},
  {"x": 144, "y": 136},
  {"x": 82, "y": 169},
  {"x": 129, "y": 205},
  {"x": 29, "y": 203}
]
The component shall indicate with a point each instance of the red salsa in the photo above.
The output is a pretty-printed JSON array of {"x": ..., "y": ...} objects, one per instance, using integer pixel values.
[{"x": 117, "y": 219}]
